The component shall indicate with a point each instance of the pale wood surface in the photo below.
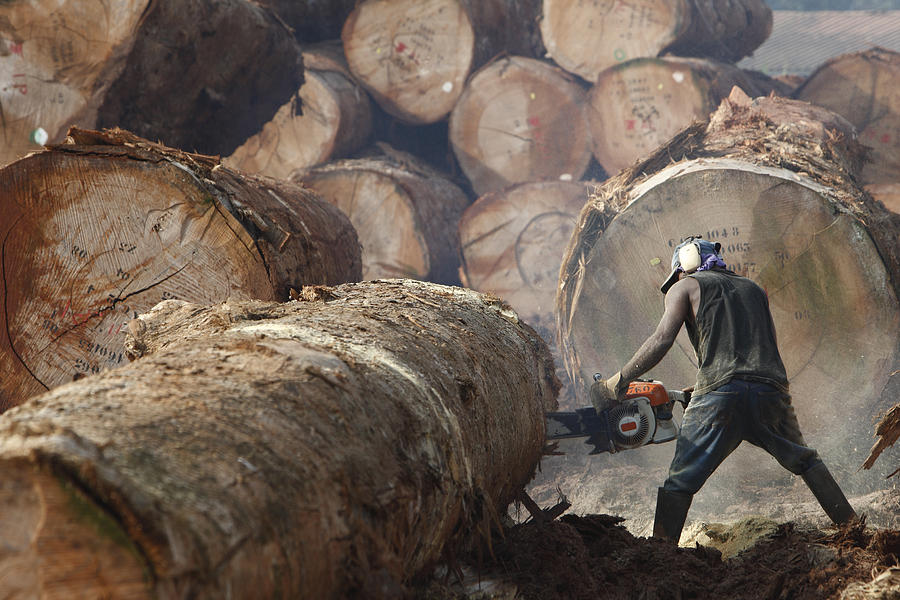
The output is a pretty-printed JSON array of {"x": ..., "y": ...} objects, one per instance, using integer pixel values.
[
  {"x": 520, "y": 119},
  {"x": 57, "y": 59},
  {"x": 413, "y": 56},
  {"x": 331, "y": 447},
  {"x": 100, "y": 230},
  {"x": 330, "y": 117},
  {"x": 406, "y": 213},
  {"x": 862, "y": 87}
]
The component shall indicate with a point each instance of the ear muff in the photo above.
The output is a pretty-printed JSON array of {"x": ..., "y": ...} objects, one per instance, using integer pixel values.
[{"x": 689, "y": 257}]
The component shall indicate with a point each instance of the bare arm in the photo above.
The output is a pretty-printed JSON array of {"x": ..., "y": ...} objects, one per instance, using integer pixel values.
[{"x": 678, "y": 308}]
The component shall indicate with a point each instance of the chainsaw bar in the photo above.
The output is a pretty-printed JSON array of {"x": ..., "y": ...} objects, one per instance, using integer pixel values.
[{"x": 583, "y": 422}]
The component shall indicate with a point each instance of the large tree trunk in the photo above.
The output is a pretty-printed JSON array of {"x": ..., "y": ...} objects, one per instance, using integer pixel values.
[
  {"x": 862, "y": 88},
  {"x": 773, "y": 180},
  {"x": 329, "y": 448},
  {"x": 512, "y": 243},
  {"x": 59, "y": 59},
  {"x": 638, "y": 105},
  {"x": 586, "y": 38},
  {"x": 414, "y": 55},
  {"x": 312, "y": 21},
  {"x": 204, "y": 75},
  {"x": 520, "y": 119},
  {"x": 406, "y": 213},
  {"x": 107, "y": 225},
  {"x": 330, "y": 117}
]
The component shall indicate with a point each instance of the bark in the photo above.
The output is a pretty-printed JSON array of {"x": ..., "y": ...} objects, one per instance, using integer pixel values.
[
  {"x": 862, "y": 88},
  {"x": 255, "y": 450},
  {"x": 204, "y": 75},
  {"x": 518, "y": 120},
  {"x": 60, "y": 58},
  {"x": 312, "y": 21},
  {"x": 773, "y": 180},
  {"x": 106, "y": 225},
  {"x": 406, "y": 213},
  {"x": 585, "y": 38},
  {"x": 512, "y": 243},
  {"x": 330, "y": 117},
  {"x": 637, "y": 106}
]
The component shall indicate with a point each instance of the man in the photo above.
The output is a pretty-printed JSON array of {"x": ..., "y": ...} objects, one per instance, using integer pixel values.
[{"x": 741, "y": 392}]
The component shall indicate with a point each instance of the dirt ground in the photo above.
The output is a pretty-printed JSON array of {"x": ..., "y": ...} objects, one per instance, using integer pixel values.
[{"x": 753, "y": 532}]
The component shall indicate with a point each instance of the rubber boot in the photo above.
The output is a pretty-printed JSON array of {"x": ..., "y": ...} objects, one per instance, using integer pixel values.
[
  {"x": 829, "y": 494},
  {"x": 671, "y": 512}
]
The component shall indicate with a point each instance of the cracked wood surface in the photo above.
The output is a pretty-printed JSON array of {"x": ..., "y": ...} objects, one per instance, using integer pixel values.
[
  {"x": 104, "y": 227},
  {"x": 331, "y": 447}
]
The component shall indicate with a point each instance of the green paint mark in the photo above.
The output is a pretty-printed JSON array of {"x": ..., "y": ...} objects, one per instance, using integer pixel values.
[{"x": 619, "y": 54}]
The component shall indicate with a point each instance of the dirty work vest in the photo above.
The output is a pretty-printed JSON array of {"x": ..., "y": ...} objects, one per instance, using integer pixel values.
[{"x": 732, "y": 333}]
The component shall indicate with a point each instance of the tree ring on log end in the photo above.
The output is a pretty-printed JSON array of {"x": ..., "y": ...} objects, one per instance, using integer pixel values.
[{"x": 834, "y": 306}]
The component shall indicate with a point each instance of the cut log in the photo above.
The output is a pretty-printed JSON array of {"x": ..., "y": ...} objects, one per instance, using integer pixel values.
[
  {"x": 773, "y": 180},
  {"x": 107, "y": 225},
  {"x": 586, "y": 38},
  {"x": 862, "y": 88},
  {"x": 638, "y": 105},
  {"x": 518, "y": 120},
  {"x": 512, "y": 244},
  {"x": 405, "y": 213},
  {"x": 330, "y": 117},
  {"x": 59, "y": 59},
  {"x": 414, "y": 55},
  {"x": 204, "y": 75},
  {"x": 329, "y": 448}
]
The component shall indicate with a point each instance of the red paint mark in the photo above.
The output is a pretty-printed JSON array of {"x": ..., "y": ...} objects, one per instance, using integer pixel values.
[
  {"x": 885, "y": 139},
  {"x": 66, "y": 309},
  {"x": 534, "y": 121},
  {"x": 15, "y": 48},
  {"x": 400, "y": 47},
  {"x": 629, "y": 124}
]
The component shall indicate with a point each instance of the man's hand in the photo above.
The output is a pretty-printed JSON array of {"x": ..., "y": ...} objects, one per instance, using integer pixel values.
[{"x": 608, "y": 392}]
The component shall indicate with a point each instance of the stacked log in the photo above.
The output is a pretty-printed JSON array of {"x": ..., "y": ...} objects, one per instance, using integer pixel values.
[
  {"x": 520, "y": 119},
  {"x": 200, "y": 75},
  {"x": 862, "y": 88},
  {"x": 638, "y": 105},
  {"x": 330, "y": 117},
  {"x": 773, "y": 180},
  {"x": 106, "y": 225},
  {"x": 300, "y": 450},
  {"x": 512, "y": 243},
  {"x": 59, "y": 60},
  {"x": 587, "y": 38},
  {"x": 405, "y": 212},
  {"x": 414, "y": 56}
]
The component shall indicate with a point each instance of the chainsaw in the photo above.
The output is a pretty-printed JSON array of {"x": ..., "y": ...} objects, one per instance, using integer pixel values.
[{"x": 643, "y": 417}]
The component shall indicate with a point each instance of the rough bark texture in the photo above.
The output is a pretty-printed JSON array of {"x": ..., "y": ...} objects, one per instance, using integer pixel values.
[
  {"x": 108, "y": 224},
  {"x": 332, "y": 447},
  {"x": 520, "y": 119},
  {"x": 406, "y": 213},
  {"x": 638, "y": 105},
  {"x": 204, "y": 75},
  {"x": 862, "y": 88},
  {"x": 586, "y": 38},
  {"x": 330, "y": 117},
  {"x": 58, "y": 60},
  {"x": 774, "y": 181}
]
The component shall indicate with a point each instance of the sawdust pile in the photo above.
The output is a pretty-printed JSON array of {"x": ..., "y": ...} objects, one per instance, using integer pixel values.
[{"x": 594, "y": 556}]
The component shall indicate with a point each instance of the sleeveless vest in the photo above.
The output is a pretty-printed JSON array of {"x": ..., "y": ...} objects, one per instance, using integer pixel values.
[{"x": 732, "y": 333}]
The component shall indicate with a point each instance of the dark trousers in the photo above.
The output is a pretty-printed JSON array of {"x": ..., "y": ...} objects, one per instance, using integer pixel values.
[{"x": 715, "y": 423}]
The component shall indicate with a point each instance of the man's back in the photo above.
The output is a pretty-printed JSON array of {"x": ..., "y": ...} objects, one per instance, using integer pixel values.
[{"x": 732, "y": 333}]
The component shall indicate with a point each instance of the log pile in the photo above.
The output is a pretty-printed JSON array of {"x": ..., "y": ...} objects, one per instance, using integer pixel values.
[
  {"x": 106, "y": 225},
  {"x": 773, "y": 180},
  {"x": 302, "y": 450}
]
